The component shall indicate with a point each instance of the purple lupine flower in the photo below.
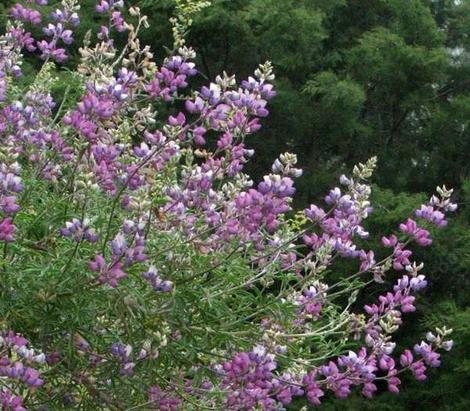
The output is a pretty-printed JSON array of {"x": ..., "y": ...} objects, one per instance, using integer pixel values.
[
  {"x": 171, "y": 77},
  {"x": 390, "y": 241},
  {"x": 287, "y": 387},
  {"x": 16, "y": 370},
  {"x": 421, "y": 235},
  {"x": 401, "y": 257},
  {"x": 419, "y": 370},
  {"x": 164, "y": 400},
  {"x": 406, "y": 359},
  {"x": 336, "y": 381},
  {"x": 393, "y": 382},
  {"x": 312, "y": 388},
  {"x": 119, "y": 245},
  {"x": 7, "y": 230},
  {"x": 248, "y": 375},
  {"x": 434, "y": 216},
  {"x": 155, "y": 280},
  {"x": 111, "y": 274},
  {"x": 367, "y": 260},
  {"x": 418, "y": 283},
  {"x": 11, "y": 402},
  {"x": 103, "y": 6},
  {"x": 79, "y": 230},
  {"x": 8, "y": 204},
  {"x": 25, "y": 14},
  {"x": 195, "y": 106},
  {"x": 369, "y": 389},
  {"x": 136, "y": 253},
  {"x": 124, "y": 352},
  {"x": 118, "y": 21},
  {"x": 315, "y": 213},
  {"x": 431, "y": 358},
  {"x": 333, "y": 196}
]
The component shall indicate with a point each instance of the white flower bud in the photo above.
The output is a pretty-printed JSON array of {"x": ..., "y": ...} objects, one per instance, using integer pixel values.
[{"x": 447, "y": 345}]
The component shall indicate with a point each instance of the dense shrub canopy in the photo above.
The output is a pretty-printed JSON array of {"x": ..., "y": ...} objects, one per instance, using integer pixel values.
[{"x": 143, "y": 268}]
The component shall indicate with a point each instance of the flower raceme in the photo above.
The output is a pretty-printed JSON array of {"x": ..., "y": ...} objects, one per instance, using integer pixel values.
[{"x": 149, "y": 267}]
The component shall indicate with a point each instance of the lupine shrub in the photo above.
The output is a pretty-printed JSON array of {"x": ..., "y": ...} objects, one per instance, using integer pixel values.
[{"x": 141, "y": 268}]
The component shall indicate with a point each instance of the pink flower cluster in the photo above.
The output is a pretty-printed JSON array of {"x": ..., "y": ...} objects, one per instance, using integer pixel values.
[
  {"x": 16, "y": 360},
  {"x": 59, "y": 29}
]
